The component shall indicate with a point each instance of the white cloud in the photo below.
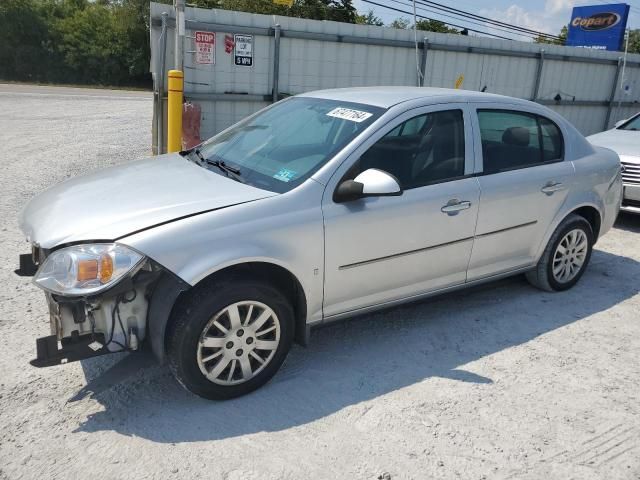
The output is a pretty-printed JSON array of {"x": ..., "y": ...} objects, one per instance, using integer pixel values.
[
  {"x": 557, "y": 6},
  {"x": 555, "y": 14}
]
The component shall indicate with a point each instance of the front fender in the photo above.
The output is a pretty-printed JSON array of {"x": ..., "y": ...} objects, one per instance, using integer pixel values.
[{"x": 284, "y": 230}]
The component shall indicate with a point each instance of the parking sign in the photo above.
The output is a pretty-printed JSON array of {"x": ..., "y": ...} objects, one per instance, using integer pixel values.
[{"x": 243, "y": 50}]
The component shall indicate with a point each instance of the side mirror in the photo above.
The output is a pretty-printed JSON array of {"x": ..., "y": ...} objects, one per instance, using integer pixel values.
[
  {"x": 619, "y": 123},
  {"x": 370, "y": 183}
]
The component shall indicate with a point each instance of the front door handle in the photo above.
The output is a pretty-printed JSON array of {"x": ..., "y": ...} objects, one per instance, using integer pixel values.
[
  {"x": 454, "y": 206},
  {"x": 552, "y": 187}
]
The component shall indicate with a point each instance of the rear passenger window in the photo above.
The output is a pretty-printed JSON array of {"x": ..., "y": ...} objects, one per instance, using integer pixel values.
[{"x": 512, "y": 140}]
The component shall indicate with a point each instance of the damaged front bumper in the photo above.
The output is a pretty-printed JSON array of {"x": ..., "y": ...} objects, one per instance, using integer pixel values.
[
  {"x": 73, "y": 348},
  {"x": 109, "y": 322}
]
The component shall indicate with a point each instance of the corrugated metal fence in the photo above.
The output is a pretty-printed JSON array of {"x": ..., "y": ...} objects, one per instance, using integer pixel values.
[{"x": 292, "y": 55}]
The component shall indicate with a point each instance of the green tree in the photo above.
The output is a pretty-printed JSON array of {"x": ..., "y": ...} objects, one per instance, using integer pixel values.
[
  {"x": 561, "y": 40},
  {"x": 337, "y": 10},
  {"x": 634, "y": 41},
  {"x": 401, "y": 23},
  {"x": 23, "y": 37},
  {"x": 107, "y": 41},
  {"x": 369, "y": 18},
  {"x": 90, "y": 45},
  {"x": 434, "y": 26}
]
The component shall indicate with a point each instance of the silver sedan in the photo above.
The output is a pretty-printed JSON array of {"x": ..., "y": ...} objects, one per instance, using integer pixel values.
[{"x": 320, "y": 207}]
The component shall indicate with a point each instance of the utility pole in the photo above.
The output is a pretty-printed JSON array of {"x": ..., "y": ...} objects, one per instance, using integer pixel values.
[
  {"x": 623, "y": 80},
  {"x": 179, "y": 43}
]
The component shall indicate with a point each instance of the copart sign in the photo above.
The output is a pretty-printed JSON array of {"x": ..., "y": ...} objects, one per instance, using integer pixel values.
[{"x": 600, "y": 26}]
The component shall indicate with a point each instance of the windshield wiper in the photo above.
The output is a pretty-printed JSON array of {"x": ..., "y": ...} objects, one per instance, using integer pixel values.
[
  {"x": 229, "y": 171},
  {"x": 184, "y": 153},
  {"x": 222, "y": 166}
]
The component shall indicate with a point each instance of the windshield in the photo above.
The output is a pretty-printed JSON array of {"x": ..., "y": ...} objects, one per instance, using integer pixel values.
[
  {"x": 633, "y": 124},
  {"x": 280, "y": 147}
]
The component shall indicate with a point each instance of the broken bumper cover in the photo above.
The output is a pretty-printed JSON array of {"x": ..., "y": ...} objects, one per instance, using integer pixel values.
[{"x": 74, "y": 348}]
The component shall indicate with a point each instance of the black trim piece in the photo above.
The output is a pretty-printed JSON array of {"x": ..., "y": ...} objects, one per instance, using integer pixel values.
[
  {"x": 74, "y": 348},
  {"x": 28, "y": 267},
  {"x": 522, "y": 225},
  {"x": 512, "y": 169},
  {"x": 402, "y": 254},
  {"x": 164, "y": 296}
]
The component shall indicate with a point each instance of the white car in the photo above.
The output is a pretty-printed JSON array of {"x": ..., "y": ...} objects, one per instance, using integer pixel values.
[{"x": 624, "y": 139}]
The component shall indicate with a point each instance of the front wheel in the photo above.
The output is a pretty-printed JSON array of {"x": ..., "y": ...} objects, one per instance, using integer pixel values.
[
  {"x": 566, "y": 256},
  {"x": 230, "y": 338}
]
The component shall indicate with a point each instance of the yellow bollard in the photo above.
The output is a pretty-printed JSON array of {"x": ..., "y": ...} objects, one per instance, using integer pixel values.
[{"x": 174, "y": 111}]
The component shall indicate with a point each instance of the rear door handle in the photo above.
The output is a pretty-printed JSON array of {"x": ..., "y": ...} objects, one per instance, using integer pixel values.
[
  {"x": 552, "y": 187},
  {"x": 454, "y": 206}
]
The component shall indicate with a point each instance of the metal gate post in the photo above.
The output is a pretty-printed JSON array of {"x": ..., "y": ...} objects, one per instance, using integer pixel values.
[
  {"x": 276, "y": 62},
  {"x": 179, "y": 44},
  {"x": 613, "y": 94},
  {"x": 423, "y": 59},
  {"x": 160, "y": 83},
  {"x": 536, "y": 85}
]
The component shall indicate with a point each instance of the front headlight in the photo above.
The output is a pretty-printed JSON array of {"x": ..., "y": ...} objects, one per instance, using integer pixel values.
[{"x": 86, "y": 269}]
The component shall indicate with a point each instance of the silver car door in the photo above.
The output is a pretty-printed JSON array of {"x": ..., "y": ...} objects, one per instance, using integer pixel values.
[
  {"x": 381, "y": 249},
  {"x": 523, "y": 182}
]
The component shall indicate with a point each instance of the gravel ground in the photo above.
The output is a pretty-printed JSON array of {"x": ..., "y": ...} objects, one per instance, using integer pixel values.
[{"x": 502, "y": 381}]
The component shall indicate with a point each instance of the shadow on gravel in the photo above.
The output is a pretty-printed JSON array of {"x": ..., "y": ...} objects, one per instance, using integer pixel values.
[
  {"x": 364, "y": 358},
  {"x": 628, "y": 222}
]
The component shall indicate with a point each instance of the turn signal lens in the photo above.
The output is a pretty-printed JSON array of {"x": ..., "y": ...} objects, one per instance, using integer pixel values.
[
  {"x": 87, "y": 270},
  {"x": 106, "y": 268}
]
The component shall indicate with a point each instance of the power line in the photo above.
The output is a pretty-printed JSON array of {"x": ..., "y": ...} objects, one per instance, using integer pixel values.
[
  {"x": 428, "y": 18},
  {"x": 464, "y": 13},
  {"x": 502, "y": 29},
  {"x": 466, "y": 21},
  {"x": 499, "y": 28}
]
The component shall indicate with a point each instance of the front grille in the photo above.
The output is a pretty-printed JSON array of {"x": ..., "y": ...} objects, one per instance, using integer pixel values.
[{"x": 631, "y": 173}]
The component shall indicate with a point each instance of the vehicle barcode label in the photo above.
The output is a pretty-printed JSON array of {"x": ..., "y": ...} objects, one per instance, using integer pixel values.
[{"x": 349, "y": 114}]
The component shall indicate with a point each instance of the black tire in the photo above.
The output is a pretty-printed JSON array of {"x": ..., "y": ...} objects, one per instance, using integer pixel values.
[
  {"x": 542, "y": 276},
  {"x": 191, "y": 317}
]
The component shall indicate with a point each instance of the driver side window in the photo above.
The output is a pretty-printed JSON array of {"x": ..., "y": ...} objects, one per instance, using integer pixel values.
[{"x": 426, "y": 149}]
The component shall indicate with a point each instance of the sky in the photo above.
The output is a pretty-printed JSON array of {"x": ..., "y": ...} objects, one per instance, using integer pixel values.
[{"x": 542, "y": 15}]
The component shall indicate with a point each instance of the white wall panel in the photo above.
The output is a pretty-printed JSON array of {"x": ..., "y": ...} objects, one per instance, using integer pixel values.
[{"x": 307, "y": 64}]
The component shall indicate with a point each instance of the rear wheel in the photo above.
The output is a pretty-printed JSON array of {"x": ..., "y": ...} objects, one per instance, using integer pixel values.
[
  {"x": 230, "y": 338},
  {"x": 566, "y": 256}
]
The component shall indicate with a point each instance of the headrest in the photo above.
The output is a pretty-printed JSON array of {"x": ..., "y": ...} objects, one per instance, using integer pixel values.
[{"x": 518, "y": 136}]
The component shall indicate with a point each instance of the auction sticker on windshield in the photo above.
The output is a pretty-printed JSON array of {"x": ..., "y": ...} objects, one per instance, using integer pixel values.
[
  {"x": 285, "y": 175},
  {"x": 349, "y": 114}
]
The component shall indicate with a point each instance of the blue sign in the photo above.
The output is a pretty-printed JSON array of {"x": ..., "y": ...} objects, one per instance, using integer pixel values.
[{"x": 599, "y": 26}]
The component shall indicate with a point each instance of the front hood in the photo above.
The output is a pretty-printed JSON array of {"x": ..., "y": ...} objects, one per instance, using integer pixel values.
[
  {"x": 623, "y": 142},
  {"x": 111, "y": 203}
]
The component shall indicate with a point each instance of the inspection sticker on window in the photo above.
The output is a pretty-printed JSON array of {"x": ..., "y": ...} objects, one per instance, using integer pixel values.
[
  {"x": 349, "y": 114},
  {"x": 285, "y": 175}
]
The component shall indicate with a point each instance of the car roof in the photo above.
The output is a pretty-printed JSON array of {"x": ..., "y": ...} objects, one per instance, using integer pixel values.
[{"x": 387, "y": 97}]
